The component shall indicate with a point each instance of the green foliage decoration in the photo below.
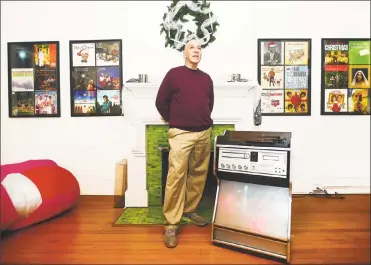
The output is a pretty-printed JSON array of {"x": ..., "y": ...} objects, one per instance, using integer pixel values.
[{"x": 173, "y": 17}]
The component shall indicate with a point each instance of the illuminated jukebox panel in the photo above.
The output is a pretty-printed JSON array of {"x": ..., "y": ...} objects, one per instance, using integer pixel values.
[{"x": 253, "y": 200}]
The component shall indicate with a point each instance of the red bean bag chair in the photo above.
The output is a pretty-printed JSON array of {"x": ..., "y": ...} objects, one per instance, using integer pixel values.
[{"x": 33, "y": 191}]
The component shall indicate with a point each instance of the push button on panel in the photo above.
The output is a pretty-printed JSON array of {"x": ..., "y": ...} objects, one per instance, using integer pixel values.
[{"x": 254, "y": 157}]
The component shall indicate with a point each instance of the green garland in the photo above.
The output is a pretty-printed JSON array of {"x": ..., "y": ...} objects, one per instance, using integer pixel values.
[{"x": 199, "y": 18}]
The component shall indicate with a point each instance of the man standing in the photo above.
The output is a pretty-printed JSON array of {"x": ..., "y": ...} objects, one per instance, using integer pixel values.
[
  {"x": 185, "y": 100},
  {"x": 271, "y": 75},
  {"x": 106, "y": 105}
]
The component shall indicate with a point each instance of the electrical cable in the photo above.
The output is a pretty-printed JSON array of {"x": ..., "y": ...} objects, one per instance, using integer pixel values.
[{"x": 321, "y": 193}]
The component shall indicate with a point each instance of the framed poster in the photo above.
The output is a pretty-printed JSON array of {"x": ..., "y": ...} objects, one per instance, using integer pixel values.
[
  {"x": 284, "y": 73},
  {"x": 345, "y": 78},
  {"x": 33, "y": 79},
  {"x": 96, "y": 78}
]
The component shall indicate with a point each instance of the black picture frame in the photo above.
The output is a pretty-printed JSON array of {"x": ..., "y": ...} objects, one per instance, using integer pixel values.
[
  {"x": 273, "y": 98},
  {"x": 38, "y": 94},
  {"x": 84, "y": 82},
  {"x": 341, "y": 59}
]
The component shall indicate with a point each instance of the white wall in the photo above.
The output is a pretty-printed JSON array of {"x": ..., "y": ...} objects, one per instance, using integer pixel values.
[{"x": 330, "y": 151}]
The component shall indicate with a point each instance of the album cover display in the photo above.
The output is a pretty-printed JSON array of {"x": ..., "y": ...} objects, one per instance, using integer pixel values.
[
  {"x": 284, "y": 67},
  {"x": 33, "y": 79},
  {"x": 345, "y": 79},
  {"x": 96, "y": 77}
]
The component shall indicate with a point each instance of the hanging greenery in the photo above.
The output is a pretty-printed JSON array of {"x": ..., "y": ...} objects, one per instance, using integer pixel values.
[{"x": 175, "y": 19}]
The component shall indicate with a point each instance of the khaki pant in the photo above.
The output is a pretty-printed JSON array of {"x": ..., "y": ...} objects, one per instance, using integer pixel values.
[{"x": 189, "y": 159}]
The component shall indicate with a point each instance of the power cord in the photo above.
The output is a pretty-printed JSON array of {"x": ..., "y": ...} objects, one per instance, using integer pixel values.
[{"x": 321, "y": 193}]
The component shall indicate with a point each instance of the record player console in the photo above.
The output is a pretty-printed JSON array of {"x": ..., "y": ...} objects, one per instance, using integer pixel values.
[{"x": 253, "y": 200}]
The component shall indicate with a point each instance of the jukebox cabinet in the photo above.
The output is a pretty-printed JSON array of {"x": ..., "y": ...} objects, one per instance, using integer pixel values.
[{"x": 253, "y": 200}]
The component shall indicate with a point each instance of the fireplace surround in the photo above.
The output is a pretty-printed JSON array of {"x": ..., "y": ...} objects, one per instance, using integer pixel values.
[{"x": 233, "y": 106}]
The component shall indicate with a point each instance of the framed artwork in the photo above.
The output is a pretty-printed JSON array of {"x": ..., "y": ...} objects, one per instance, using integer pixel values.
[
  {"x": 345, "y": 77},
  {"x": 33, "y": 79},
  {"x": 96, "y": 78},
  {"x": 284, "y": 73}
]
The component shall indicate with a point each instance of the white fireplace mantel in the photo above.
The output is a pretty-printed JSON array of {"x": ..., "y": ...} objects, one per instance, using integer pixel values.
[
  {"x": 226, "y": 90},
  {"x": 140, "y": 110}
]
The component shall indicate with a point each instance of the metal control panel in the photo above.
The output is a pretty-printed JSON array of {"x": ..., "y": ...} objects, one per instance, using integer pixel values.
[{"x": 272, "y": 163}]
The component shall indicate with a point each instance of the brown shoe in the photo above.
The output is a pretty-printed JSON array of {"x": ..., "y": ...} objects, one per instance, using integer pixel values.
[
  {"x": 196, "y": 219},
  {"x": 171, "y": 238}
]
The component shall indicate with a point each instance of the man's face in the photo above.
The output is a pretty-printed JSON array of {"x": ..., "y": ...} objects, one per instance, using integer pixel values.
[
  {"x": 85, "y": 55},
  {"x": 193, "y": 52},
  {"x": 272, "y": 49}
]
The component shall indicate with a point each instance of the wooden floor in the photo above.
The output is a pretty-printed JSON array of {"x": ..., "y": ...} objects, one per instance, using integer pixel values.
[{"x": 325, "y": 231}]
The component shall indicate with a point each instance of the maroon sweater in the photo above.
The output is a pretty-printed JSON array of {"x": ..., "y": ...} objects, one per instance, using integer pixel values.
[{"x": 185, "y": 99}]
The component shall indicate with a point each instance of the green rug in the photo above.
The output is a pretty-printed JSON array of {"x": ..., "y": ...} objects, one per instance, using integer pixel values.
[{"x": 153, "y": 214}]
